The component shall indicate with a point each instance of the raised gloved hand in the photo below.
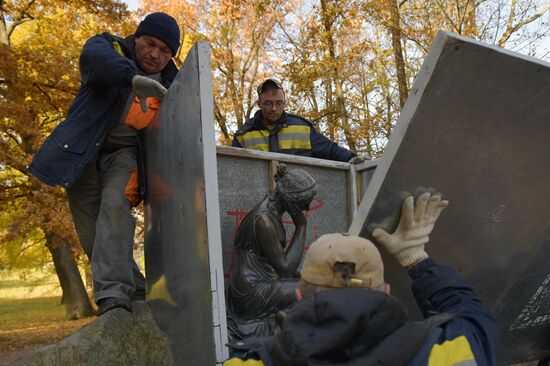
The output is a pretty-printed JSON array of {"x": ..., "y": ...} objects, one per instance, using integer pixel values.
[
  {"x": 144, "y": 87},
  {"x": 417, "y": 221},
  {"x": 357, "y": 160}
]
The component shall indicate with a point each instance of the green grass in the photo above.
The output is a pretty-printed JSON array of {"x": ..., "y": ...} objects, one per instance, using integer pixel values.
[
  {"x": 34, "y": 285},
  {"x": 15, "y": 312},
  {"x": 31, "y": 313}
]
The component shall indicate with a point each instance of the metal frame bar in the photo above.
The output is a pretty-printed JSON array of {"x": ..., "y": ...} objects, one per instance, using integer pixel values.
[{"x": 212, "y": 202}]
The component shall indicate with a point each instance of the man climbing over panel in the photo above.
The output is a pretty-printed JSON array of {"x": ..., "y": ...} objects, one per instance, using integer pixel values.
[{"x": 96, "y": 153}]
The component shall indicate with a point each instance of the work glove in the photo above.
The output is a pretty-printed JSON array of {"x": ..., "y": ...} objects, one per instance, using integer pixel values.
[
  {"x": 144, "y": 87},
  {"x": 356, "y": 160},
  {"x": 417, "y": 221}
]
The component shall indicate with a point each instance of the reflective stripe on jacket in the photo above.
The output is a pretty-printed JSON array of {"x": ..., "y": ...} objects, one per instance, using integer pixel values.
[{"x": 292, "y": 135}]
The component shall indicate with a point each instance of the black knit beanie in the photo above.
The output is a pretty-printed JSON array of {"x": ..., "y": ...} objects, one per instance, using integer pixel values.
[{"x": 163, "y": 27}]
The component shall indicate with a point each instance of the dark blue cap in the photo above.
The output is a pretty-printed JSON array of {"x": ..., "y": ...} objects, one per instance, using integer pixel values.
[{"x": 163, "y": 27}]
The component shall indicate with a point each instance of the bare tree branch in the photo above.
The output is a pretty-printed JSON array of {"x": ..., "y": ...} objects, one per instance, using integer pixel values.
[{"x": 514, "y": 28}]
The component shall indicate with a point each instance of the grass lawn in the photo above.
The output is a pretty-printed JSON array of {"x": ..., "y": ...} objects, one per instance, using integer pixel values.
[{"x": 31, "y": 313}]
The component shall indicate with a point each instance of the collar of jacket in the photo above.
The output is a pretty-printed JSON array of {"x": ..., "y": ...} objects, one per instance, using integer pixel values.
[
  {"x": 258, "y": 121},
  {"x": 342, "y": 325},
  {"x": 169, "y": 72}
]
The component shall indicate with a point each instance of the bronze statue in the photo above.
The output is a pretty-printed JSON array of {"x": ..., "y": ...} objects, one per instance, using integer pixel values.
[{"x": 264, "y": 274}]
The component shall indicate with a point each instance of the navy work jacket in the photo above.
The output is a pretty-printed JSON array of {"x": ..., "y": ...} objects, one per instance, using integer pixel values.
[
  {"x": 468, "y": 337},
  {"x": 293, "y": 135},
  {"x": 107, "y": 67}
]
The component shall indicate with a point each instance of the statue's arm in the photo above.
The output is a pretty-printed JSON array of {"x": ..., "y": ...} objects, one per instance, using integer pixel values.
[{"x": 285, "y": 262}]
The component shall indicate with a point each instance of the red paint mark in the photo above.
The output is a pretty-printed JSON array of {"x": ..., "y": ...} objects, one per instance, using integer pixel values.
[
  {"x": 315, "y": 232},
  {"x": 316, "y": 206},
  {"x": 239, "y": 214}
]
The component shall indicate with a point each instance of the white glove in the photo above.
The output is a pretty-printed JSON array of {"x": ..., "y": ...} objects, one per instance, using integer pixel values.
[
  {"x": 144, "y": 87},
  {"x": 406, "y": 244}
]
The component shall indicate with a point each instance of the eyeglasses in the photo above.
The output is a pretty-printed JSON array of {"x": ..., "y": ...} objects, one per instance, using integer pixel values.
[{"x": 269, "y": 103}]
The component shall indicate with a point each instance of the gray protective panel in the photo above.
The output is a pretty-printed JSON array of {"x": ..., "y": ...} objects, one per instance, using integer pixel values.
[
  {"x": 178, "y": 230},
  {"x": 364, "y": 177},
  {"x": 245, "y": 179},
  {"x": 242, "y": 183},
  {"x": 477, "y": 128},
  {"x": 329, "y": 211}
]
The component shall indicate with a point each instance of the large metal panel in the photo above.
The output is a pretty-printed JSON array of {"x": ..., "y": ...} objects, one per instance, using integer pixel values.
[
  {"x": 477, "y": 127},
  {"x": 182, "y": 237}
]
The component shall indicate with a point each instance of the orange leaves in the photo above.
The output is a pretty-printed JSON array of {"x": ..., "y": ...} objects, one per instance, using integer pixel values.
[{"x": 39, "y": 77}]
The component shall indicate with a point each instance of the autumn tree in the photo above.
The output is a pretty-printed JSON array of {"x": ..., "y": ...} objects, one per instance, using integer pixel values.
[
  {"x": 352, "y": 63},
  {"x": 330, "y": 67},
  {"x": 413, "y": 24},
  {"x": 39, "y": 51},
  {"x": 241, "y": 34}
]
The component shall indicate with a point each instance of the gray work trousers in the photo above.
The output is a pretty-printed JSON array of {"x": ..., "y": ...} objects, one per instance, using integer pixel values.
[{"x": 105, "y": 225}]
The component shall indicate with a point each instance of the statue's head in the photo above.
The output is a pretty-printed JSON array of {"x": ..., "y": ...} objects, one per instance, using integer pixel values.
[{"x": 295, "y": 187}]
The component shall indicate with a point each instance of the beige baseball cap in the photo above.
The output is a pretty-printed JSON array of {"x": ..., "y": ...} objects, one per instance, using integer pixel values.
[{"x": 342, "y": 260}]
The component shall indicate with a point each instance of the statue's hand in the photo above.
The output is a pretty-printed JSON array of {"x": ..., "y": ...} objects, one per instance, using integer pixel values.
[{"x": 298, "y": 218}]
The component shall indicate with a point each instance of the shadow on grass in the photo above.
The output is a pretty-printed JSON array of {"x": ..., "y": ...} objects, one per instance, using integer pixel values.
[{"x": 35, "y": 321}]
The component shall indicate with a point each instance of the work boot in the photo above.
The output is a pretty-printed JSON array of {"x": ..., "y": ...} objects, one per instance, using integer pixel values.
[{"x": 111, "y": 303}]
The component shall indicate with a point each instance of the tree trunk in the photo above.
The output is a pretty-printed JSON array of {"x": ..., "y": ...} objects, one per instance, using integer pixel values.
[
  {"x": 470, "y": 26},
  {"x": 4, "y": 38},
  {"x": 75, "y": 297},
  {"x": 222, "y": 122},
  {"x": 395, "y": 30},
  {"x": 340, "y": 100},
  {"x": 331, "y": 122}
]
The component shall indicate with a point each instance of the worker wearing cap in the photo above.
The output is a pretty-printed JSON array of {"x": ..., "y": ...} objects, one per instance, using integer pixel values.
[
  {"x": 347, "y": 317},
  {"x": 272, "y": 129},
  {"x": 96, "y": 153}
]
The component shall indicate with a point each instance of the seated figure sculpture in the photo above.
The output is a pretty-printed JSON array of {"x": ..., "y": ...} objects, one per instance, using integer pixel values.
[{"x": 265, "y": 269}]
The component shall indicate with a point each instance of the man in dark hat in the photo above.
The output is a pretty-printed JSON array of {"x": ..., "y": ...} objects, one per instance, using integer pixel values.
[
  {"x": 273, "y": 129},
  {"x": 97, "y": 152}
]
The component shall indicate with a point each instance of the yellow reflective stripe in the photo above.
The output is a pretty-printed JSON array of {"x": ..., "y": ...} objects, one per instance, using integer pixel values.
[
  {"x": 255, "y": 140},
  {"x": 118, "y": 49},
  {"x": 294, "y": 137},
  {"x": 239, "y": 362},
  {"x": 450, "y": 353},
  {"x": 295, "y": 129},
  {"x": 295, "y": 144}
]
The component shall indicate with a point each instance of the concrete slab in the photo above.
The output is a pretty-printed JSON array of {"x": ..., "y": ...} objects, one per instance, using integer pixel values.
[{"x": 476, "y": 127}]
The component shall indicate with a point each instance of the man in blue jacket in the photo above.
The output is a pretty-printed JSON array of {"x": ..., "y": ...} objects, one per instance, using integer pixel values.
[
  {"x": 97, "y": 152},
  {"x": 347, "y": 317},
  {"x": 272, "y": 129}
]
